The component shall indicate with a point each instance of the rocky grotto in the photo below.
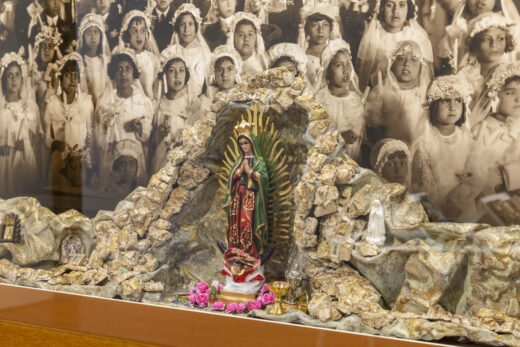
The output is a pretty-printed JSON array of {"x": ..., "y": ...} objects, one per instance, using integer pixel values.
[{"x": 427, "y": 281}]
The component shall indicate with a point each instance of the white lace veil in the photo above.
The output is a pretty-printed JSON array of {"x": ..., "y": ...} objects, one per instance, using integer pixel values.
[{"x": 151, "y": 44}]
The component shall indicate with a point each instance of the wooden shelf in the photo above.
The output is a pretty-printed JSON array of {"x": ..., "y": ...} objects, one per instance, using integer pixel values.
[{"x": 54, "y": 316}]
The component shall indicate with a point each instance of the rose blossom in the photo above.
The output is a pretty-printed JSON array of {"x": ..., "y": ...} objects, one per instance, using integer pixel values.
[
  {"x": 202, "y": 288},
  {"x": 202, "y": 300},
  {"x": 268, "y": 298},
  {"x": 241, "y": 307},
  {"x": 231, "y": 307},
  {"x": 265, "y": 288},
  {"x": 254, "y": 305},
  {"x": 218, "y": 306},
  {"x": 193, "y": 298},
  {"x": 192, "y": 290}
]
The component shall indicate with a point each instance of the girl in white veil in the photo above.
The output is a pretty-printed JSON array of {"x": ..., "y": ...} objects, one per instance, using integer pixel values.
[
  {"x": 95, "y": 58},
  {"x": 340, "y": 95},
  {"x": 123, "y": 114},
  {"x": 20, "y": 128},
  {"x": 224, "y": 71},
  {"x": 453, "y": 44},
  {"x": 314, "y": 36},
  {"x": 254, "y": 59},
  {"x": 187, "y": 35},
  {"x": 179, "y": 106},
  {"x": 395, "y": 104},
  {"x": 136, "y": 33},
  {"x": 441, "y": 154},
  {"x": 389, "y": 25}
]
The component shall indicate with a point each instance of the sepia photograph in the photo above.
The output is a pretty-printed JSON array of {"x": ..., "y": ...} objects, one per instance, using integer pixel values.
[{"x": 95, "y": 93}]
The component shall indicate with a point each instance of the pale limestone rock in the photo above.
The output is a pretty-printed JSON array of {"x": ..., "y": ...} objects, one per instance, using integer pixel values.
[
  {"x": 493, "y": 277},
  {"x": 317, "y": 112},
  {"x": 318, "y": 128},
  {"x": 326, "y": 200},
  {"x": 191, "y": 176},
  {"x": 126, "y": 238},
  {"x": 141, "y": 219},
  {"x": 327, "y": 175},
  {"x": 346, "y": 171},
  {"x": 143, "y": 245},
  {"x": 122, "y": 219},
  {"x": 178, "y": 197},
  {"x": 158, "y": 236},
  {"x": 326, "y": 144},
  {"x": 153, "y": 286},
  {"x": 8, "y": 270},
  {"x": 315, "y": 160},
  {"x": 346, "y": 194},
  {"x": 132, "y": 287},
  {"x": 149, "y": 262},
  {"x": 305, "y": 232},
  {"x": 323, "y": 308},
  {"x": 306, "y": 102},
  {"x": 304, "y": 197},
  {"x": 162, "y": 224},
  {"x": 367, "y": 249},
  {"x": 221, "y": 100},
  {"x": 177, "y": 156},
  {"x": 101, "y": 275},
  {"x": 428, "y": 274}
]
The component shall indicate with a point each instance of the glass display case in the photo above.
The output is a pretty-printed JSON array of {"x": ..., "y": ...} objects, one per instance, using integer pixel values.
[{"x": 322, "y": 171}]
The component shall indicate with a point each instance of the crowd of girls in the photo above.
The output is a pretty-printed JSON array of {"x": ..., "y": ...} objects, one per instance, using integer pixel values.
[{"x": 95, "y": 92}]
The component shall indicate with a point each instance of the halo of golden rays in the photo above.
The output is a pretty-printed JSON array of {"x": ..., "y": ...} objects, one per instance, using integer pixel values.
[{"x": 279, "y": 201}]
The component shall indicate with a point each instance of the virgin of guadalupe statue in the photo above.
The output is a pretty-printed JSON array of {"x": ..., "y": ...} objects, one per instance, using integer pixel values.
[
  {"x": 246, "y": 209},
  {"x": 257, "y": 192}
]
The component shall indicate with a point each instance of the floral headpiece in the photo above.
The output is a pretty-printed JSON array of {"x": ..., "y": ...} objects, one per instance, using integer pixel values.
[
  {"x": 226, "y": 51},
  {"x": 292, "y": 51},
  {"x": 498, "y": 79},
  {"x": 173, "y": 52},
  {"x": 48, "y": 33},
  {"x": 91, "y": 20},
  {"x": 387, "y": 148},
  {"x": 408, "y": 46},
  {"x": 126, "y": 51},
  {"x": 447, "y": 86},
  {"x": 244, "y": 128},
  {"x": 75, "y": 56},
  {"x": 487, "y": 20},
  {"x": 325, "y": 8},
  {"x": 187, "y": 8},
  {"x": 247, "y": 16},
  {"x": 134, "y": 14},
  {"x": 9, "y": 58},
  {"x": 332, "y": 48}
]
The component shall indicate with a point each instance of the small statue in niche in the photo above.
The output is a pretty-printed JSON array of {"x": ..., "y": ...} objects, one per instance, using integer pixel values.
[
  {"x": 10, "y": 228},
  {"x": 256, "y": 203},
  {"x": 71, "y": 247},
  {"x": 295, "y": 280},
  {"x": 376, "y": 225}
]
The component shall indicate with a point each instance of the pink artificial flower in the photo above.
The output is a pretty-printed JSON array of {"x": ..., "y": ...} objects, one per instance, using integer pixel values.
[
  {"x": 218, "y": 306},
  {"x": 265, "y": 288},
  {"x": 202, "y": 288},
  {"x": 241, "y": 307},
  {"x": 202, "y": 300},
  {"x": 260, "y": 299},
  {"x": 268, "y": 298},
  {"x": 193, "y": 298},
  {"x": 231, "y": 307},
  {"x": 220, "y": 287},
  {"x": 192, "y": 290},
  {"x": 254, "y": 305}
]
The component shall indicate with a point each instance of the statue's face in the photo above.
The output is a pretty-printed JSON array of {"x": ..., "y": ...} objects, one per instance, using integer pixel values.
[{"x": 246, "y": 146}]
